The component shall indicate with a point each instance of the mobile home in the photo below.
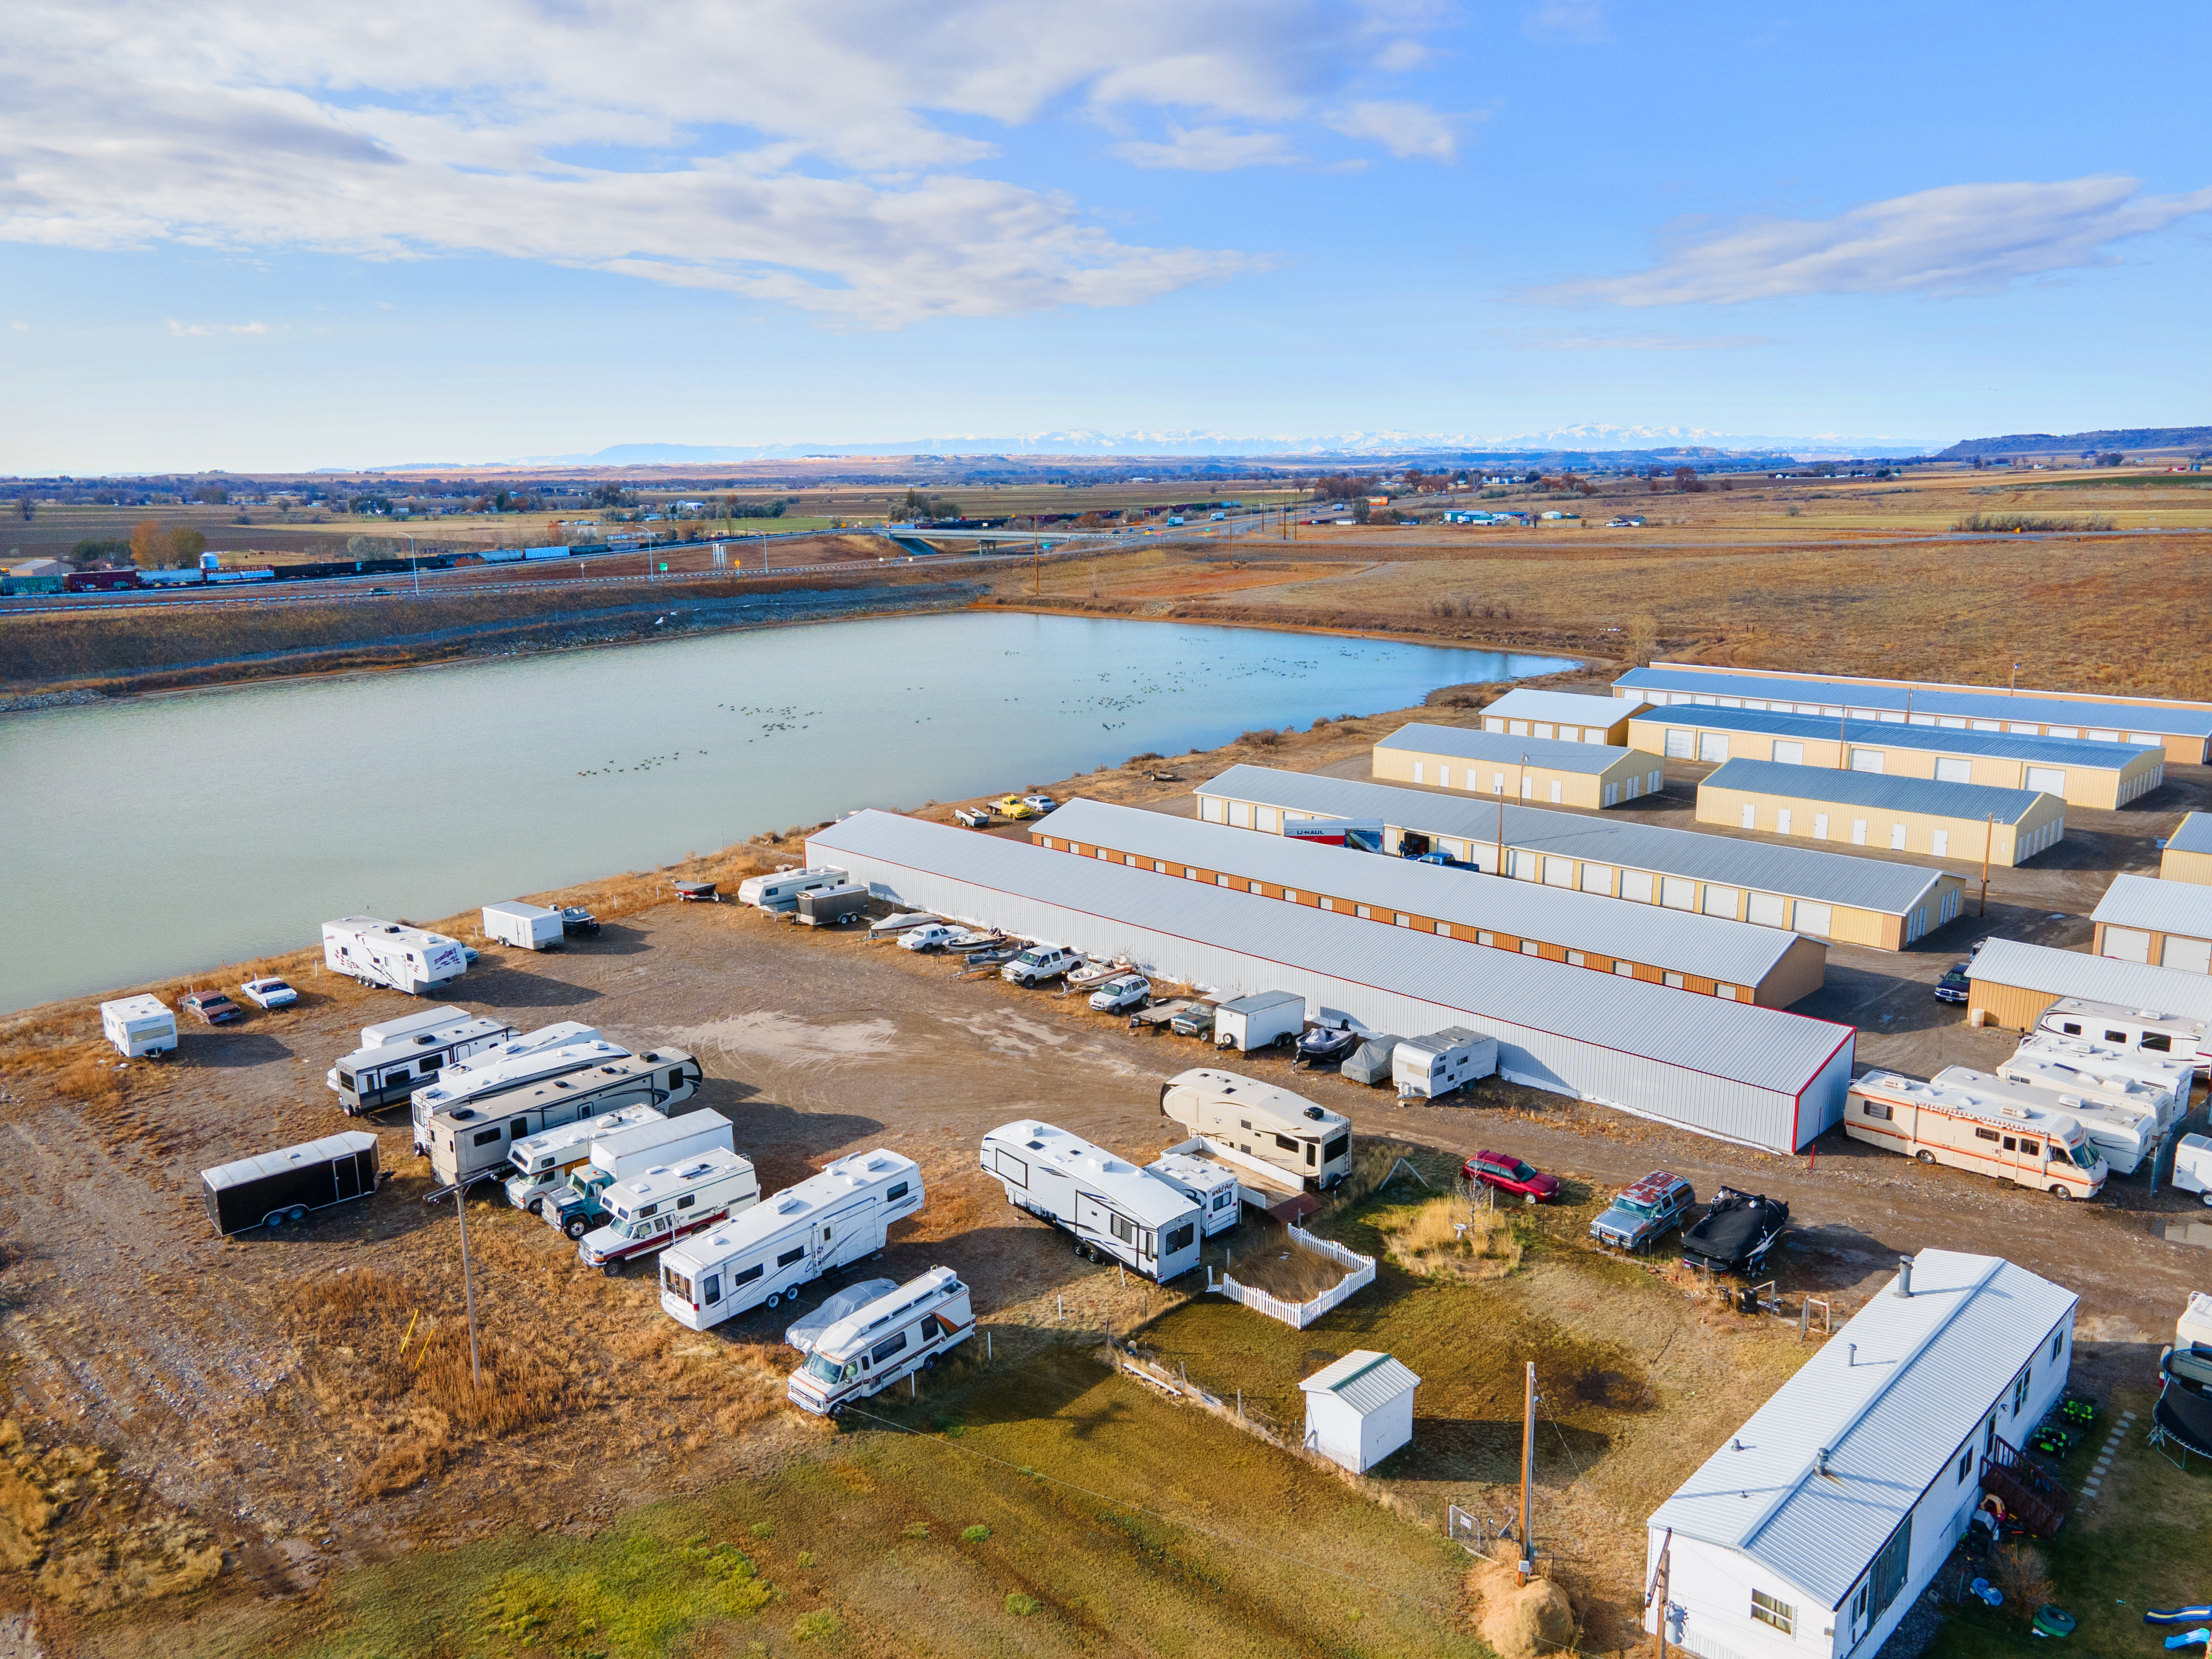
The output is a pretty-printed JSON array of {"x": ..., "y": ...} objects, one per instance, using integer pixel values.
[
  {"x": 474, "y": 1139},
  {"x": 2120, "y": 1135},
  {"x": 385, "y": 953},
  {"x": 504, "y": 1073},
  {"x": 1212, "y": 1186},
  {"x": 780, "y": 892},
  {"x": 1112, "y": 1208},
  {"x": 1425, "y": 1067},
  {"x": 370, "y": 1078},
  {"x": 1242, "y": 1120},
  {"x": 285, "y": 1184},
  {"x": 525, "y": 926},
  {"x": 866, "y": 1351},
  {"x": 826, "y": 1222},
  {"x": 667, "y": 1203},
  {"x": 1972, "y": 1130},
  {"x": 138, "y": 1026},
  {"x": 541, "y": 1162}
]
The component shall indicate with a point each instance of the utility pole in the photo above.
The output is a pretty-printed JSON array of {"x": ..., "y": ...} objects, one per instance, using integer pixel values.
[
  {"x": 1528, "y": 1566},
  {"x": 1658, "y": 1594},
  {"x": 468, "y": 1288},
  {"x": 1989, "y": 834},
  {"x": 1500, "y": 869}
]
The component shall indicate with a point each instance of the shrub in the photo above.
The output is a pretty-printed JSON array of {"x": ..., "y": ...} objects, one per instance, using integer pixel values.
[
  {"x": 763, "y": 1529},
  {"x": 808, "y": 1627},
  {"x": 2020, "y": 1572},
  {"x": 915, "y": 1529},
  {"x": 1021, "y": 1605},
  {"x": 973, "y": 1534},
  {"x": 1263, "y": 739}
]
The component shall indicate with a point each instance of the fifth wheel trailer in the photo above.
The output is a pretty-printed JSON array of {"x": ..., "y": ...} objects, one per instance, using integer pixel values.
[
  {"x": 369, "y": 1079},
  {"x": 472, "y": 1140},
  {"x": 285, "y": 1184},
  {"x": 1309, "y": 1145}
]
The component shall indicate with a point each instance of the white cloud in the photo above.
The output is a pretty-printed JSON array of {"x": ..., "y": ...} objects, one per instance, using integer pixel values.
[
  {"x": 183, "y": 329},
  {"x": 1210, "y": 149},
  {"x": 800, "y": 152},
  {"x": 20, "y": 326},
  {"x": 249, "y": 328},
  {"x": 1579, "y": 22},
  {"x": 1545, "y": 339},
  {"x": 1960, "y": 239},
  {"x": 1406, "y": 129}
]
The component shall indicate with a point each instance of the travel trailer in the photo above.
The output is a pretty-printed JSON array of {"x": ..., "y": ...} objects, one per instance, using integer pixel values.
[
  {"x": 285, "y": 1184},
  {"x": 370, "y": 1078},
  {"x": 2140, "y": 1031},
  {"x": 668, "y": 1202},
  {"x": 780, "y": 892},
  {"x": 392, "y": 1030},
  {"x": 473, "y": 1140},
  {"x": 1974, "y": 1129},
  {"x": 2120, "y": 1137},
  {"x": 504, "y": 1073},
  {"x": 2167, "y": 1074},
  {"x": 2108, "y": 1092},
  {"x": 139, "y": 1026},
  {"x": 1115, "y": 1209},
  {"x": 866, "y": 1351},
  {"x": 579, "y": 1204},
  {"x": 1425, "y": 1067},
  {"x": 525, "y": 926},
  {"x": 1247, "y": 1122},
  {"x": 387, "y": 953},
  {"x": 541, "y": 1162},
  {"x": 1212, "y": 1186},
  {"x": 760, "y": 1258}
]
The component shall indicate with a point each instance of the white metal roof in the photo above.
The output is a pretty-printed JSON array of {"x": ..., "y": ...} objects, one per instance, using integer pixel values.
[
  {"x": 2192, "y": 835},
  {"x": 374, "y": 1036},
  {"x": 2163, "y": 907},
  {"x": 932, "y": 1286},
  {"x": 1793, "y": 872},
  {"x": 1891, "y": 1399},
  {"x": 1713, "y": 947},
  {"x": 1931, "y": 796},
  {"x": 2003, "y": 745},
  {"x": 1528, "y": 703},
  {"x": 2011, "y": 962},
  {"x": 519, "y": 909},
  {"x": 1364, "y": 1380},
  {"x": 1740, "y": 1041},
  {"x": 330, "y": 1147},
  {"x": 667, "y": 1180},
  {"x": 516, "y": 1069},
  {"x": 1141, "y": 1194},
  {"x": 1465, "y": 743},
  {"x": 1871, "y": 699}
]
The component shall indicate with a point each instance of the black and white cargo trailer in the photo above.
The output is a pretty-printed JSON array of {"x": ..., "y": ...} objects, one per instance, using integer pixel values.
[{"x": 285, "y": 1184}]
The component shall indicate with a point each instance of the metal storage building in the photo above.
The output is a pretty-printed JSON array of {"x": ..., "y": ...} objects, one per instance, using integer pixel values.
[
  {"x": 2077, "y": 771},
  {"x": 1568, "y": 716},
  {"x": 1756, "y": 1076},
  {"x": 2165, "y": 924},
  {"x": 1360, "y": 1409},
  {"x": 1704, "y": 954},
  {"x": 1868, "y": 809},
  {"x": 2183, "y": 729},
  {"x": 2188, "y": 854},
  {"x": 1589, "y": 775},
  {"x": 1832, "y": 896},
  {"x": 2014, "y": 984},
  {"x": 1815, "y": 1529}
]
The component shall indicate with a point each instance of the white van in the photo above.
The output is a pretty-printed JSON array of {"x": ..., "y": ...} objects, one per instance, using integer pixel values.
[
  {"x": 525, "y": 926},
  {"x": 139, "y": 1026},
  {"x": 780, "y": 892},
  {"x": 1968, "y": 1129},
  {"x": 2141, "y": 1030},
  {"x": 1245, "y": 1121},
  {"x": 866, "y": 1351}
]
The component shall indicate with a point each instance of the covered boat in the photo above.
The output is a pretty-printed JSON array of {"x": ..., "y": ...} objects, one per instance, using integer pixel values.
[{"x": 1736, "y": 1233}]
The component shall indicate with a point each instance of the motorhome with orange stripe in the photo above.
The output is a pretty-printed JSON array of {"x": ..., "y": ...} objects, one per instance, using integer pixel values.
[{"x": 1967, "y": 1129}]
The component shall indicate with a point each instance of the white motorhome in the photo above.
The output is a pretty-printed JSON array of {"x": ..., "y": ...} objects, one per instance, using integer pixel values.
[
  {"x": 542, "y": 1161},
  {"x": 780, "y": 892},
  {"x": 1212, "y": 1186},
  {"x": 2120, "y": 1137},
  {"x": 1262, "y": 1020},
  {"x": 139, "y": 1026},
  {"x": 1971, "y": 1129},
  {"x": 525, "y": 926},
  {"x": 2108, "y": 1092},
  {"x": 502, "y": 1073},
  {"x": 891, "y": 1338},
  {"x": 579, "y": 1204},
  {"x": 1252, "y": 1124},
  {"x": 826, "y": 1222},
  {"x": 2165, "y": 1073},
  {"x": 1425, "y": 1067},
  {"x": 404, "y": 958},
  {"x": 2140, "y": 1031},
  {"x": 666, "y": 1203},
  {"x": 472, "y": 1139},
  {"x": 369, "y": 1079},
  {"x": 1114, "y": 1209}
]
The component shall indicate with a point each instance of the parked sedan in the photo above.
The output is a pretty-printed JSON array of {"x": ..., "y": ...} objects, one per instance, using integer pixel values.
[
  {"x": 934, "y": 937},
  {"x": 1121, "y": 995},
  {"x": 268, "y": 992},
  {"x": 1508, "y": 1174},
  {"x": 1039, "y": 804},
  {"x": 212, "y": 1008},
  {"x": 1954, "y": 986}
]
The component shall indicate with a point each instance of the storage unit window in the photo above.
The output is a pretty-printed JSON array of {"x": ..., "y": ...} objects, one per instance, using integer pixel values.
[{"x": 1768, "y": 1610}]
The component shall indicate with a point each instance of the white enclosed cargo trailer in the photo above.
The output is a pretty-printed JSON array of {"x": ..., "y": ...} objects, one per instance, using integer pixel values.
[
  {"x": 1425, "y": 1067},
  {"x": 541, "y": 1162},
  {"x": 473, "y": 1140},
  {"x": 1114, "y": 1209},
  {"x": 891, "y": 1338},
  {"x": 1209, "y": 1185},
  {"x": 760, "y": 1258},
  {"x": 369, "y": 1079},
  {"x": 1242, "y": 1120},
  {"x": 579, "y": 1204},
  {"x": 1263, "y": 1020},
  {"x": 139, "y": 1026},
  {"x": 525, "y": 926},
  {"x": 669, "y": 1202},
  {"x": 409, "y": 959}
]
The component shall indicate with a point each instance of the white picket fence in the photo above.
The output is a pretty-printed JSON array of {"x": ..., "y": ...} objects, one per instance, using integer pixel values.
[{"x": 1359, "y": 1274}]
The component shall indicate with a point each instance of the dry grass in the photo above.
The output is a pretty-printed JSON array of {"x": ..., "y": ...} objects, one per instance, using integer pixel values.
[
  {"x": 1281, "y": 1269},
  {"x": 1449, "y": 1236}
]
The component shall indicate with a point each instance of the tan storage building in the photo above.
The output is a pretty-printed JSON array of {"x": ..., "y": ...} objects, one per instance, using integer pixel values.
[
  {"x": 2183, "y": 729},
  {"x": 1901, "y": 815},
  {"x": 1881, "y": 904},
  {"x": 2080, "y": 773},
  {"x": 1709, "y": 956},
  {"x": 2012, "y": 985},
  {"x": 1540, "y": 770},
  {"x": 2188, "y": 854},
  {"x": 1567, "y": 716},
  {"x": 2165, "y": 924}
]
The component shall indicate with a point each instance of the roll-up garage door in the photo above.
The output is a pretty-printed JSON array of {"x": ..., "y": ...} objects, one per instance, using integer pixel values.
[
  {"x": 2050, "y": 779},
  {"x": 1724, "y": 901},
  {"x": 2127, "y": 945},
  {"x": 1789, "y": 754},
  {"x": 1712, "y": 746},
  {"x": 1681, "y": 746},
  {"x": 1866, "y": 760},
  {"x": 1817, "y": 920},
  {"x": 1768, "y": 909},
  {"x": 1558, "y": 873},
  {"x": 1950, "y": 770},
  {"x": 1678, "y": 892},
  {"x": 2191, "y": 956}
]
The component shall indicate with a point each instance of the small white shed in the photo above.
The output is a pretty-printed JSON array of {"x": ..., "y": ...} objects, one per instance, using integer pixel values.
[{"x": 1360, "y": 1409}]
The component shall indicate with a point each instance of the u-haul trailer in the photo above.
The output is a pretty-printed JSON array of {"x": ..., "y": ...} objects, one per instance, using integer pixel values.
[
  {"x": 409, "y": 959},
  {"x": 1243, "y": 1120},
  {"x": 667, "y": 1203},
  {"x": 760, "y": 1258},
  {"x": 1968, "y": 1129},
  {"x": 473, "y": 1140},
  {"x": 138, "y": 1026},
  {"x": 541, "y": 1162},
  {"x": 525, "y": 926},
  {"x": 1212, "y": 1186},
  {"x": 891, "y": 1338},
  {"x": 284, "y": 1185},
  {"x": 369, "y": 1079},
  {"x": 580, "y": 1203},
  {"x": 502, "y": 1074},
  {"x": 1114, "y": 1209}
]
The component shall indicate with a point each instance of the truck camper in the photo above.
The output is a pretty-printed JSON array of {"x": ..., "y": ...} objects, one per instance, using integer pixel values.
[
  {"x": 580, "y": 1203},
  {"x": 541, "y": 1162},
  {"x": 2170, "y": 1075}
]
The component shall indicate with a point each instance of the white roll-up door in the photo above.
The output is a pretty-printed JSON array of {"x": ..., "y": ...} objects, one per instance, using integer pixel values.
[
  {"x": 1558, "y": 873},
  {"x": 1950, "y": 770},
  {"x": 1789, "y": 754},
  {"x": 2127, "y": 945},
  {"x": 1597, "y": 878},
  {"x": 1240, "y": 814},
  {"x": 1636, "y": 885},
  {"x": 1816, "y": 919},
  {"x": 1712, "y": 746},
  {"x": 1767, "y": 909},
  {"x": 1270, "y": 820},
  {"x": 2050, "y": 779},
  {"x": 1678, "y": 892},
  {"x": 1210, "y": 808},
  {"x": 1866, "y": 760},
  {"x": 2191, "y": 956},
  {"x": 1681, "y": 746},
  {"x": 1724, "y": 901}
]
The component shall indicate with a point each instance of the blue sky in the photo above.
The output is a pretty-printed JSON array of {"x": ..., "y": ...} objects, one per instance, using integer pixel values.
[{"x": 240, "y": 234}]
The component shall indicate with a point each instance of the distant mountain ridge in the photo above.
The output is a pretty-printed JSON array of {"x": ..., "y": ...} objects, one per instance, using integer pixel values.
[{"x": 2078, "y": 443}]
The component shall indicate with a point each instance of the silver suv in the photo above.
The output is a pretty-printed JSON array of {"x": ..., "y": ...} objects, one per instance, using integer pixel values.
[{"x": 1038, "y": 963}]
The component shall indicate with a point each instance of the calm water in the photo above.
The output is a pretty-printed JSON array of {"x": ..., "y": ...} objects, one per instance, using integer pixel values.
[{"x": 149, "y": 838}]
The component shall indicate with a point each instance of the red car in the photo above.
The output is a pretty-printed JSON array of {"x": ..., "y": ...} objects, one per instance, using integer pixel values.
[
  {"x": 1510, "y": 1174},
  {"x": 214, "y": 1007}
]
